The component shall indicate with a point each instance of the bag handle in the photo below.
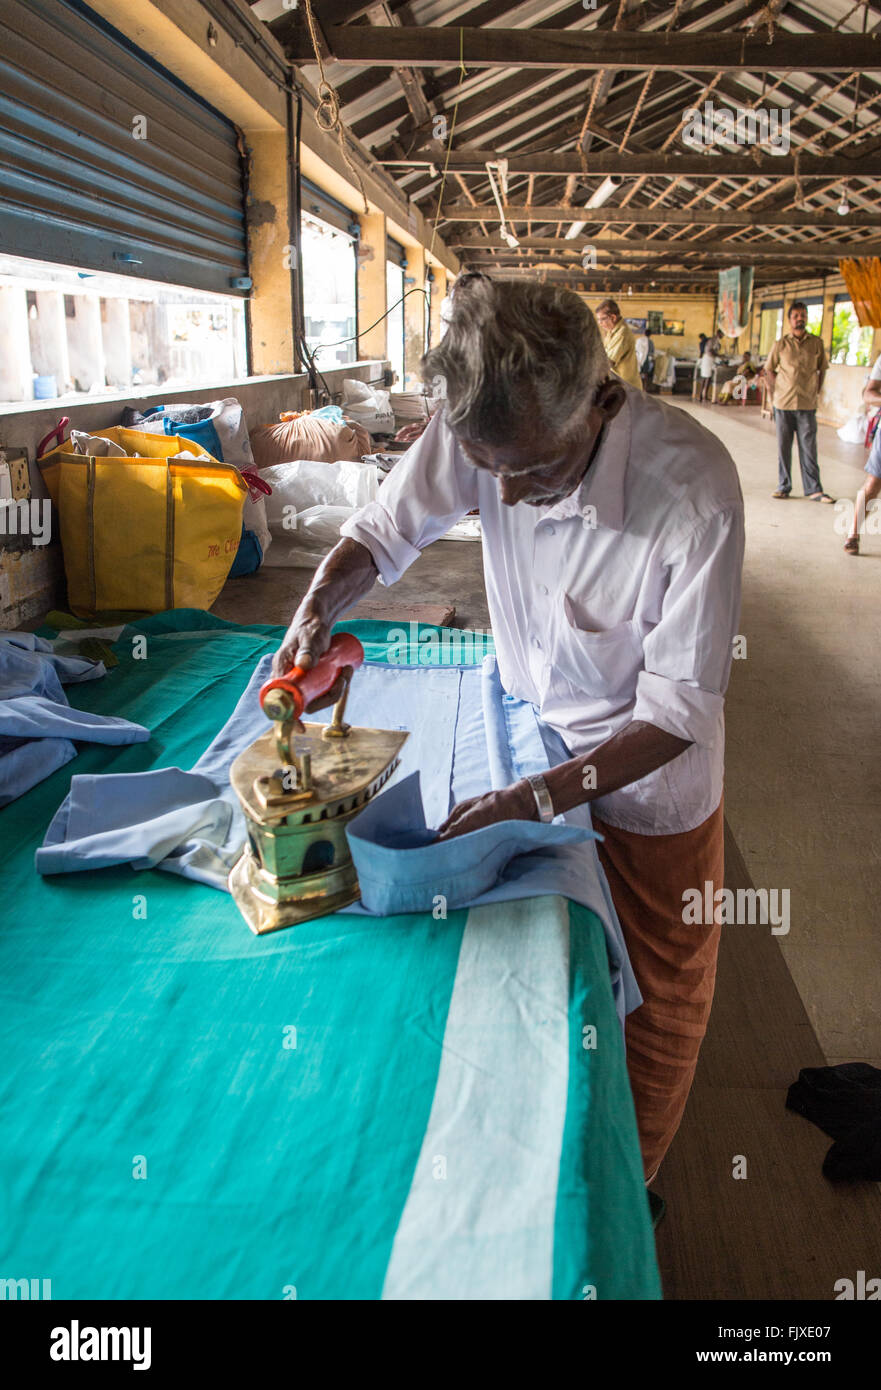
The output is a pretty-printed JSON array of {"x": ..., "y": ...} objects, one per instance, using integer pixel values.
[
  {"x": 57, "y": 434},
  {"x": 258, "y": 486}
]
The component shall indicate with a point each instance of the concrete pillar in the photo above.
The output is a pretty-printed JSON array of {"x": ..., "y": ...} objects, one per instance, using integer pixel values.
[
  {"x": 16, "y": 372},
  {"x": 438, "y": 292},
  {"x": 272, "y": 255},
  {"x": 372, "y": 287},
  {"x": 48, "y": 336},
  {"x": 414, "y": 317},
  {"x": 828, "y": 318},
  {"x": 117, "y": 338},
  {"x": 85, "y": 344}
]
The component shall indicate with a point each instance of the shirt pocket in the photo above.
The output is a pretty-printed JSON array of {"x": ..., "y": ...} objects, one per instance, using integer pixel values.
[{"x": 604, "y": 664}]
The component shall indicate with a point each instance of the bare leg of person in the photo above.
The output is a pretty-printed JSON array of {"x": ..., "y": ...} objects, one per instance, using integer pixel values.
[{"x": 871, "y": 489}]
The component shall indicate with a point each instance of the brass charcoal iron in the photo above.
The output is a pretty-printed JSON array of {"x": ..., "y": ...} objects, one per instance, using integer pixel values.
[{"x": 300, "y": 785}]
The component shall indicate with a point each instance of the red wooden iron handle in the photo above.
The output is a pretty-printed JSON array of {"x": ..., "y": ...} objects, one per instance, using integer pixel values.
[{"x": 298, "y": 688}]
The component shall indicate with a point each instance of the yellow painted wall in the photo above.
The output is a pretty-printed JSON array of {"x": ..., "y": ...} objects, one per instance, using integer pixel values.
[
  {"x": 372, "y": 287},
  {"x": 438, "y": 291},
  {"x": 414, "y": 317},
  {"x": 271, "y": 302}
]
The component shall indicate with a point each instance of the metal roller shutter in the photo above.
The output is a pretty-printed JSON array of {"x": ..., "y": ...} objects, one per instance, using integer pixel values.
[
  {"x": 79, "y": 188},
  {"x": 314, "y": 199}
]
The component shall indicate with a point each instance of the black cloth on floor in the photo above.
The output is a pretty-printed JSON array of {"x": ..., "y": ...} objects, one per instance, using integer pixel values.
[{"x": 845, "y": 1102}]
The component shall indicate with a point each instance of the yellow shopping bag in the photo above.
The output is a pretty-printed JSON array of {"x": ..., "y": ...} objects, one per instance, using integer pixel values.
[{"x": 148, "y": 531}]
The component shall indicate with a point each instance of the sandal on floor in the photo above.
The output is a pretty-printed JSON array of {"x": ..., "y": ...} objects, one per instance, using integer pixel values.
[
  {"x": 779, "y": 494},
  {"x": 820, "y": 497},
  {"x": 852, "y": 545}
]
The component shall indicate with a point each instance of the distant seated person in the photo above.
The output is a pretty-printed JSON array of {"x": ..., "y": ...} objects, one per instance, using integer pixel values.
[
  {"x": 742, "y": 382},
  {"x": 619, "y": 342}
]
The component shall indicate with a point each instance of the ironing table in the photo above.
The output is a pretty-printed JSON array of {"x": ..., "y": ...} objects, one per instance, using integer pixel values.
[{"x": 355, "y": 1108}]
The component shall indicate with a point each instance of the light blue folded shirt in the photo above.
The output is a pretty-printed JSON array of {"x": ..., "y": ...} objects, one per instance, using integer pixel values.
[
  {"x": 475, "y": 738},
  {"x": 38, "y": 727},
  {"x": 402, "y": 866}
]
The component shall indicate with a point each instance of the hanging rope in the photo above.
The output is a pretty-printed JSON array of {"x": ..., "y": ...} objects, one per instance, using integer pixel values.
[
  {"x": 799, "y": 191},
  {"x": 648, "y": 81},
  {"x": 463, "y": 73},
  {"x": 327, "y": 115},
  {"x": 585, "y": 125},
  {"x": 767, "y": 15}
]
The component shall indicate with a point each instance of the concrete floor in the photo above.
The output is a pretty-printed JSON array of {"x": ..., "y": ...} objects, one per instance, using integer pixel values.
[
  {"x": 449, "y": 573},
  {"x": 803, "y": 783}
]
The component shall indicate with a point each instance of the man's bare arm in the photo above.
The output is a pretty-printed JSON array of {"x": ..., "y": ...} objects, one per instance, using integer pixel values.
[
  {"x": 633, "y": 753},
  {"x": 344, "y": 576},
  {"x": 640, "y": 748}
]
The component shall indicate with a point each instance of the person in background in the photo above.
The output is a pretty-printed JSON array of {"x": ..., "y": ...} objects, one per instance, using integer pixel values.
[
  {"x": 739, "y": 384},
  {"x": 645, "y": 356},
  {"x": 619, "y": 342},
  {"x": 641, "y": 340},
  {"x": 872, "y": 486},
  {"x": 795, "y": 370},
  {"x": 702, "y": 344},
  {"x": 707, "y": 367}
]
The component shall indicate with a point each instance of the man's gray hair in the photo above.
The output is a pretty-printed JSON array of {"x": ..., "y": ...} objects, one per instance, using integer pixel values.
[{"x": 518, "y": 358}]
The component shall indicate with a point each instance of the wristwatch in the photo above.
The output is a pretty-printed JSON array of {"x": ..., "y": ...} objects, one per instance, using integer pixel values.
[{"x": 542, "y": 798}]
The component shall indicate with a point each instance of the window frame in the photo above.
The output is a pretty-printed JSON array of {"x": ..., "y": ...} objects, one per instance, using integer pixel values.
[{"x": 315, "y": 203}]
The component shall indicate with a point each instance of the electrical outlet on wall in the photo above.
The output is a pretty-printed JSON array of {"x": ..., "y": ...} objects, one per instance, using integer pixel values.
[{"x": 15, "y": 479}]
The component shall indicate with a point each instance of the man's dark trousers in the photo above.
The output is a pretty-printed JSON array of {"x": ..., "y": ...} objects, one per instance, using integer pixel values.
[{"x": 804, "y": 424}]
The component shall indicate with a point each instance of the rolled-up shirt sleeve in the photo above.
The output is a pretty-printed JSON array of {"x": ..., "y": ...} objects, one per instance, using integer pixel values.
[
  {"x": 687, "y": 654},
  {"x": 432, "y": 487}
]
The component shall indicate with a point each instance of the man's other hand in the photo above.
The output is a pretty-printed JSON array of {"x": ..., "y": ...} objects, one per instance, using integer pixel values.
[
  {"x": 511, "y": 803},
  {"x": 409, "y": 433}
]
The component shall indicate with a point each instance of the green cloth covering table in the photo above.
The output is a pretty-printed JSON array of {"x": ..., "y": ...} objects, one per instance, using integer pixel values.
[{"x": 192, "y": 1112}]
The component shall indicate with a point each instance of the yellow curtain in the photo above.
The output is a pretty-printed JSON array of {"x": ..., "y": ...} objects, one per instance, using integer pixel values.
[{"x": 863, "y": 280}]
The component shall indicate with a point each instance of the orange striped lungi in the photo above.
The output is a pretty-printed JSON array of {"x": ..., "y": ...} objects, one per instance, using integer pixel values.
[{"x": 674, "y": 964}]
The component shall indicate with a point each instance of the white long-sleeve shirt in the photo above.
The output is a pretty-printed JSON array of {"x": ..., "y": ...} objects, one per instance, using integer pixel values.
[{"x": 618, "y": 603}]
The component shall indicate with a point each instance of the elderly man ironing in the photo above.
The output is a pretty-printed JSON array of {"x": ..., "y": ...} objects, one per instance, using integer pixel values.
[{"x": 613, "y": 541}]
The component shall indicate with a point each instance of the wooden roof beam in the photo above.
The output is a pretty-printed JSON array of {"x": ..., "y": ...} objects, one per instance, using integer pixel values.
[
  {"x": 679, "y": 217},
  {"x": 586, "y": 49}
]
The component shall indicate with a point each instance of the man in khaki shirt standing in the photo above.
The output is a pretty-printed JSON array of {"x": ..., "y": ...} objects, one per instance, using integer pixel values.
[
  {"x": 619, "y": 342},
  {"x": 795, "y": 370}
]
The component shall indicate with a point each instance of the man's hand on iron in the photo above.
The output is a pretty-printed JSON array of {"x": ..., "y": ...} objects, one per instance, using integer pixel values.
[
  {"x": 511, "y": 803},
  {"x": 344, "y": 576},
  {"x": 307, "y": 639}
]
